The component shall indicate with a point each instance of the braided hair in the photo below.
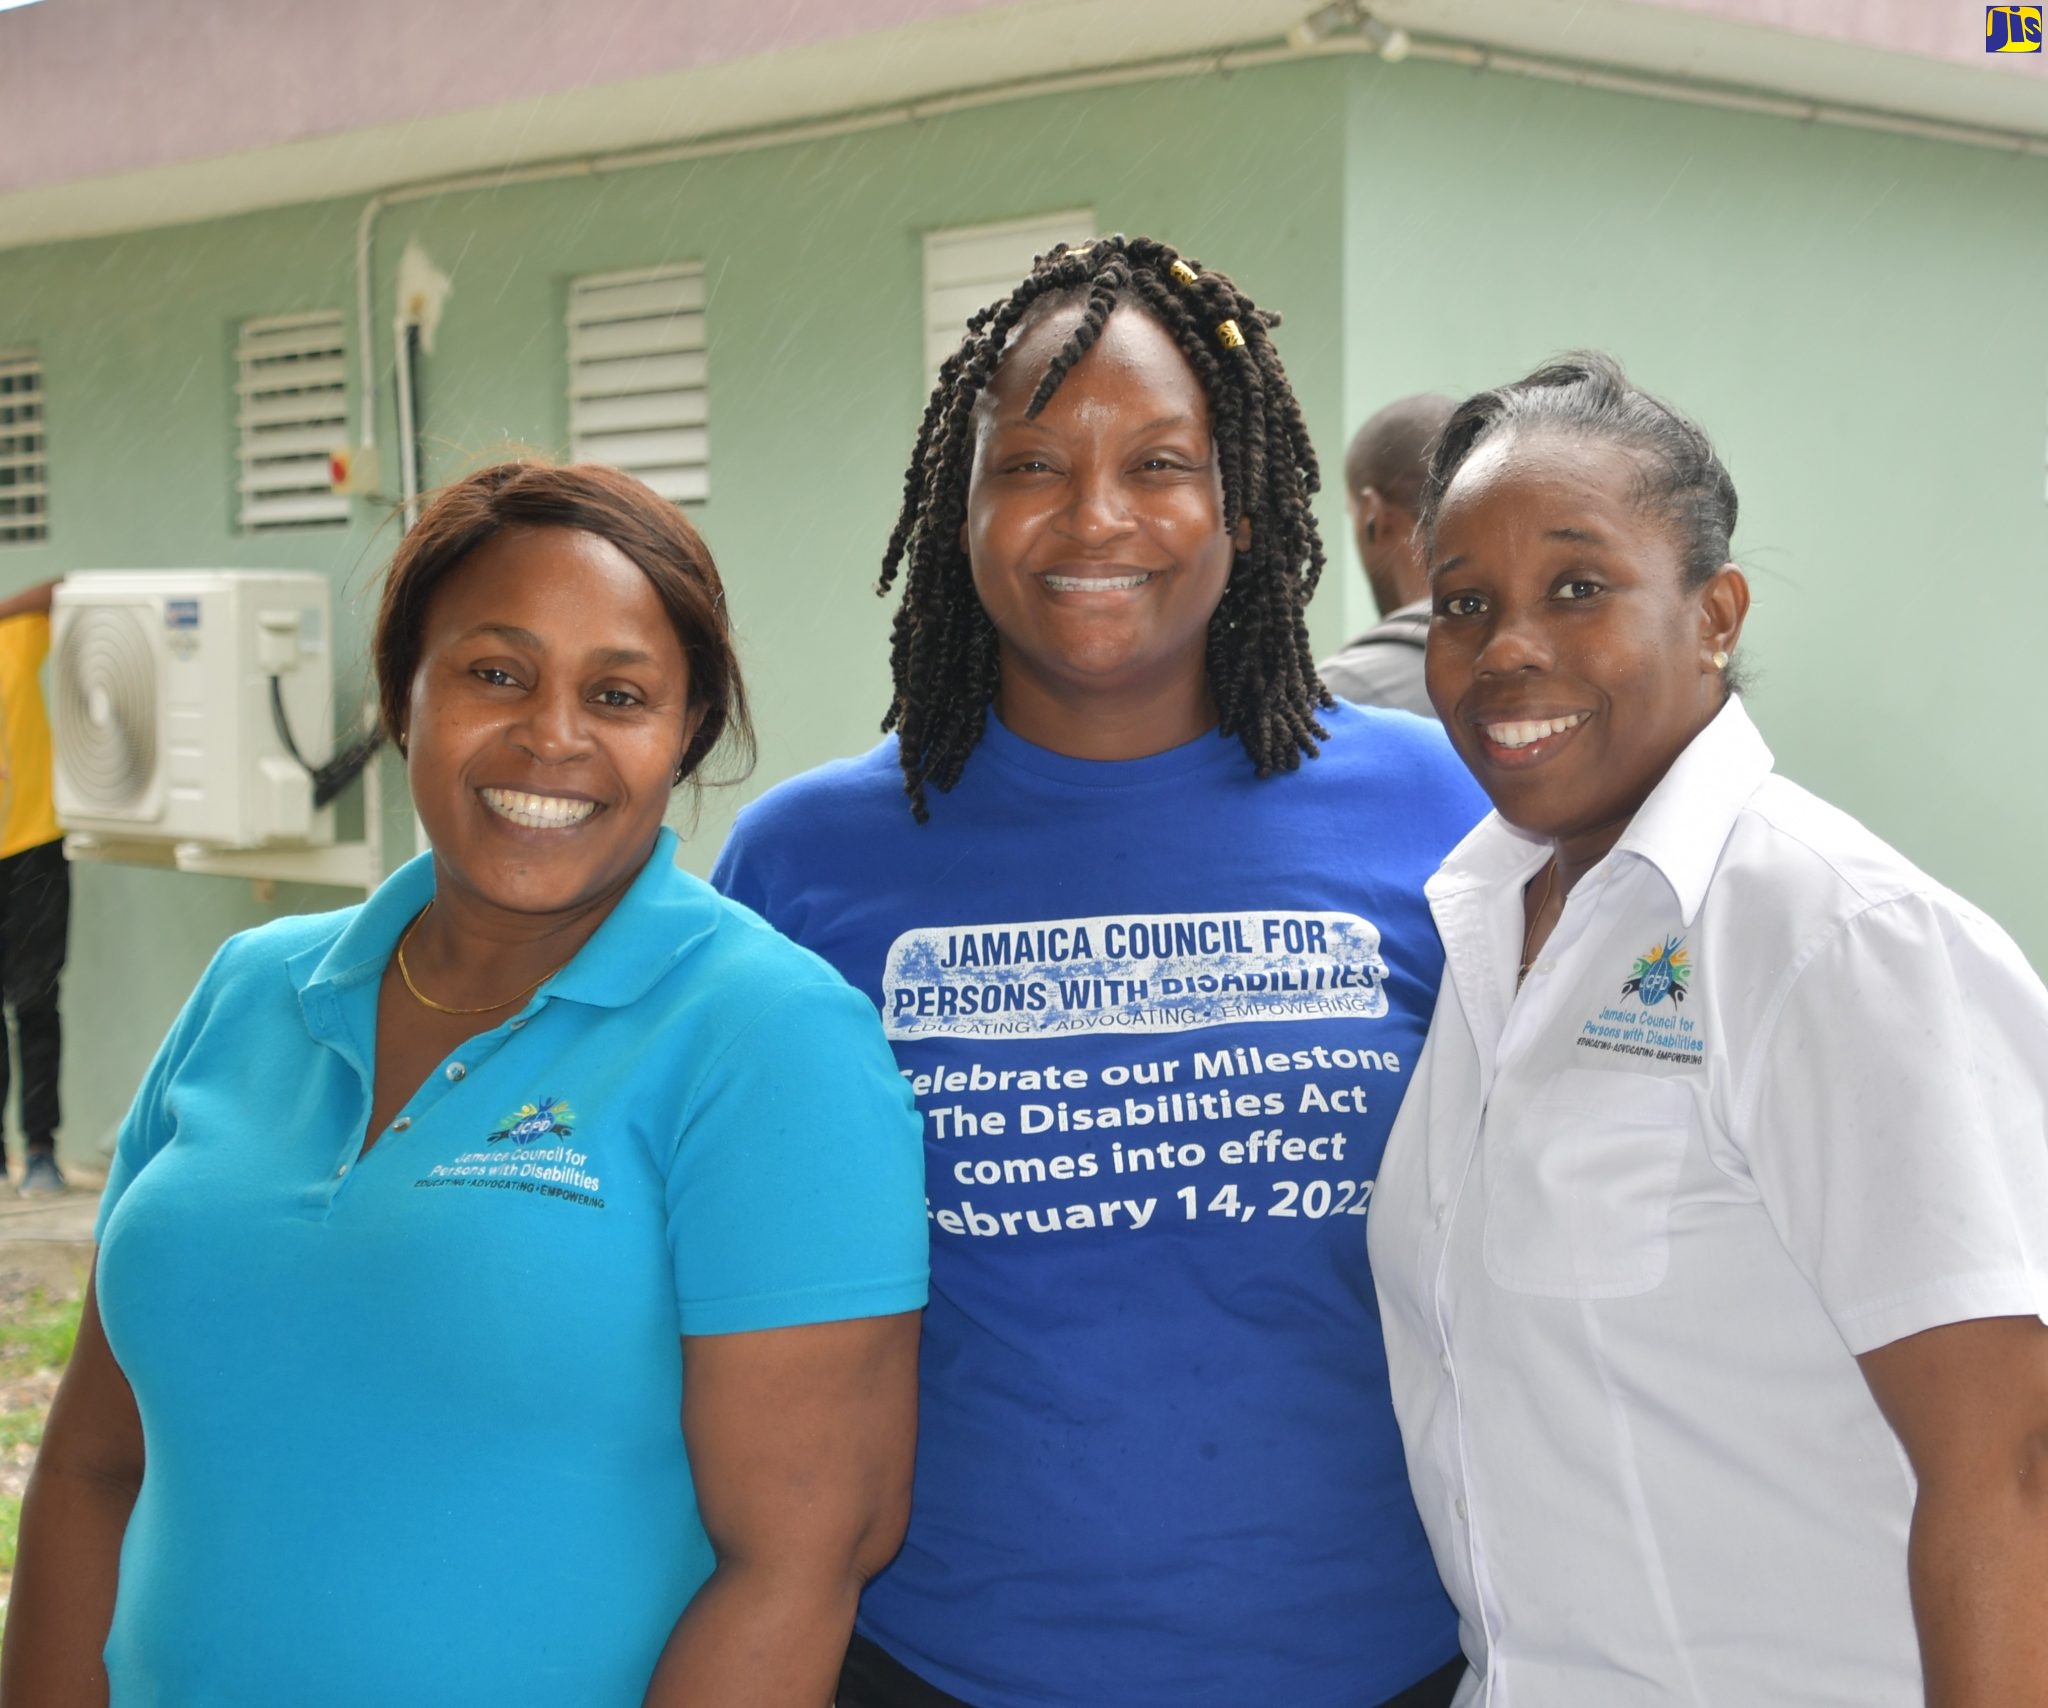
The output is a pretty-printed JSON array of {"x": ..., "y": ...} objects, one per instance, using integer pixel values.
[{"x": 1261, "y": 672}]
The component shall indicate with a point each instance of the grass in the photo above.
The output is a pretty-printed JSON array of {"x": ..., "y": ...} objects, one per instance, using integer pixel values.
[{"x": 38, "y": 1335}]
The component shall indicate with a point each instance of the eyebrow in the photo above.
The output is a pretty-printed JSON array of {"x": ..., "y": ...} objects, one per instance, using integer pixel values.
[
  {"x": 1578, "y": 536},
  {"x": 1021, "y": 422},
  {"x": 609, "y": 657},
  {"x": 1449, "y": 563}
]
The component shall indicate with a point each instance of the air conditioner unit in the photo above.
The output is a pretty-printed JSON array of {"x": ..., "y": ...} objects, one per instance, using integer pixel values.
[{"x": 162, "y": 705}]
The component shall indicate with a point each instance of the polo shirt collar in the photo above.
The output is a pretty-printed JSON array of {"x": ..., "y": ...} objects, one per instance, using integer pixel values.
[
  {"x": 1681, "y": 829},
  {"x": 663, "y": 915}
]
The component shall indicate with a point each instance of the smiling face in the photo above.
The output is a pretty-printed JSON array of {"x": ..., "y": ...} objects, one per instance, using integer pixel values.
[
  {"x": 546, "y": 720},
  {"x": 1568, "y": 660},
  {"x": 1097, "y": 539}
]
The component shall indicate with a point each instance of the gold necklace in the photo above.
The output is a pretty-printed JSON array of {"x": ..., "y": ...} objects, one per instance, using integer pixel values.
[
  {"x": 427, "y": 1001},
  {"x": 1528, "y": 936}
]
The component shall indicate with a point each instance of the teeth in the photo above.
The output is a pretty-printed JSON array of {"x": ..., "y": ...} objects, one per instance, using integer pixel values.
[
  {"x": 536, "y": 812},
  {"x": 1522, "y": 734},
  {"x": 1095, "y": 583}
]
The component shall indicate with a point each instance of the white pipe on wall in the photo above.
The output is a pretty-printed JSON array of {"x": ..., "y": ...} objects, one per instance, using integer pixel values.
[{"x": 1467, "y": 54}]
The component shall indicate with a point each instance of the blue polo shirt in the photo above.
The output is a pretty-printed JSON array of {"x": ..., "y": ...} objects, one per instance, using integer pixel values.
[{"x": 413, "y": 1418}]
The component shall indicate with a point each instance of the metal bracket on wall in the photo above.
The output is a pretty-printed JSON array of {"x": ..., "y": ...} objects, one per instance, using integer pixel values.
[{"x": 345, "y": 865}]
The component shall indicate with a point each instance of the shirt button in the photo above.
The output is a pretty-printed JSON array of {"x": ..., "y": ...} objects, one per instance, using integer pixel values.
[
  {"x": 455, "y": 1070},
  {"x": 1458, "y": 1506},
  {"x": 400, "y": 1125},
  {"x": 339, "y": 1172},
  {"x": 517, "y": 1024},
  {"x": 1443, "y": 1214},
  {"x": 1445, "y": 1361}
]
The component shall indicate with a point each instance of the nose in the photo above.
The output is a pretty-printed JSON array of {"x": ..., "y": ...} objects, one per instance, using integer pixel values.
[
  {"x": 1097, "y": 512},
  {"x": 556, "y": 727},
  {"x": 1515, "y": 641}
]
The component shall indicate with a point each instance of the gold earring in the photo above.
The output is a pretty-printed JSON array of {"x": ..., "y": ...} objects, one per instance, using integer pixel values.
[
  {"x": 1720, "y": 661},
  {"x": 401, "y": 741}
]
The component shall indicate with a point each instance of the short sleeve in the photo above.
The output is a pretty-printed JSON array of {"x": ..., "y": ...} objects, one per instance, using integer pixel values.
[
  {"x": 1897, "y": 1123},
  {"x": 148, "y": 1125},
  {"x": 796, "y": 1193}
]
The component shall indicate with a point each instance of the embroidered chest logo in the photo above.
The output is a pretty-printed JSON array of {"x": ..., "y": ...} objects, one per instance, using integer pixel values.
[
  {"x": 1664, "y": 971},
  {"x": 555, "y": 1169},
  {"x": 546, "y": 1118},
  {"x": 1649, "y": 1027}
]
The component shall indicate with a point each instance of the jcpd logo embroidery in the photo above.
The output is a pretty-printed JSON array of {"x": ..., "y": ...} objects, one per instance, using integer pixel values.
[
  {"x": 2012, "y": 29},
  {"x": 549, "y": 1117},
  {"x": 1664, "y": 971}
]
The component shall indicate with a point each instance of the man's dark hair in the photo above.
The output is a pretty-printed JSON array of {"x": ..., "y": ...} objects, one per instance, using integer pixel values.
[
  {"x": 1586, "y": 396},
  {"x": 595, "y": 500},
  {"x": 943, "y": 656},
  {"x": 1390, "y": 453}
]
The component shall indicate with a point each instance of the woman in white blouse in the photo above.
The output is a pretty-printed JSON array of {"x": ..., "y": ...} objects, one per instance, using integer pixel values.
[{"x": 1712, "y": 1241}]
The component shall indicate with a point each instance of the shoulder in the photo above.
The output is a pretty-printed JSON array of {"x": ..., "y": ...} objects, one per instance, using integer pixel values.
[
  {"x": 864, "y": 792},
  {"x": 810, "y": 829},
  {"x": 1807, "y": 878},
  {"x": 743, "y": 974},
  {"x": 264, "y": 953},
  {"x": 1818, "y": 858},
  {"x": 840, "y": 788},
  {"x": 1377, "y": 746}
]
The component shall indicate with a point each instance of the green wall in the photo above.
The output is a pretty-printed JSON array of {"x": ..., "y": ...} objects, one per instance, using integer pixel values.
[
  {"x": 814, "y": 258},
  {"x": 1851, "y": 316},
  {"x": 1836, "y": 306}
]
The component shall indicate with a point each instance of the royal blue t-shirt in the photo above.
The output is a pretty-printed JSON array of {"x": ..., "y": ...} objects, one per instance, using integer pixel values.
[
  {"x": 1158, "y": 1014},
  {"x": 413, "y": 1418}
]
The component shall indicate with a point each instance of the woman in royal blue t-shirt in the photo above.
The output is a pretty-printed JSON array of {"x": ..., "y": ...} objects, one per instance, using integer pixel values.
[{"x": 1151, "y": 946}]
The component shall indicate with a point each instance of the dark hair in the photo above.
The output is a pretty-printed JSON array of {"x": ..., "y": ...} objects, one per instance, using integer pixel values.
[
  {"x": 1390, "y": 452},
  {"x": 1585, "y": 395},
  {"x": 942, "y": 656},
  {"x": 595, "y": 500}
]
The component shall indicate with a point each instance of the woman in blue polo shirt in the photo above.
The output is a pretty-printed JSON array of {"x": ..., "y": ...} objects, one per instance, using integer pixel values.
[
  {"x": 1149, "y": 937},
  {"x": 507, "y": 1289}
]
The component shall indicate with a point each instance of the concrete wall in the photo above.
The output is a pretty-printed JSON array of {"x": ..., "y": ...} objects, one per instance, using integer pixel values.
[
  {"x": 1838, "y": 310},
  {"x": 813, "y": 256},
  {"x": 1837, "y": 307}
]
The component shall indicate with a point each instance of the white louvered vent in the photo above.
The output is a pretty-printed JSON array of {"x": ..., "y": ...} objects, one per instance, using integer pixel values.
[
  {"x": 292, "y": 413},
  {"x": 636, "y": 377},
  {"x": 969, "y": 267},
  {"x": 24, "y": 465}
]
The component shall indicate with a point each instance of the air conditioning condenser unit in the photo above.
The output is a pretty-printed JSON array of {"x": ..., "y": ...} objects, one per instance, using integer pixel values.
[{"x": 176, "y": 698}]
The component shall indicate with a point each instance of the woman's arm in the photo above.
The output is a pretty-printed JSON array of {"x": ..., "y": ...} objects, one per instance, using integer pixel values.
[
  {"x": 800, "y": 1443},
  {"x": 1969, "y": 1401},
  {"x": 30, "y": 602},
  {"x": 72, "y": 1521}
]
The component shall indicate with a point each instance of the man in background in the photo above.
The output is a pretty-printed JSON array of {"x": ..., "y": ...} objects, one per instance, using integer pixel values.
[
  {"x": 1383, "y": 474},
  {"x": 35, "y": 886}
]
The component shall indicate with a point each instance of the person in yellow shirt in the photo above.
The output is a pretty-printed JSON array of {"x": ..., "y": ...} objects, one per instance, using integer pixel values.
[{"x": 35, "y": 885}]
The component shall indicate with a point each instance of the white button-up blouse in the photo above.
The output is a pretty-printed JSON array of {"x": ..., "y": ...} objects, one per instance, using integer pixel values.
[{"x": 1769, "y": 1098}]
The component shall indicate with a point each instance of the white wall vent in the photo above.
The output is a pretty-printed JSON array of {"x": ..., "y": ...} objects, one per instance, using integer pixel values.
[
  {"x": 636, "y": 377},
  {"x": 292, "y": 412},
  {"x": 970, "y": 266},
  {"x": 24, "y": 463}
]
